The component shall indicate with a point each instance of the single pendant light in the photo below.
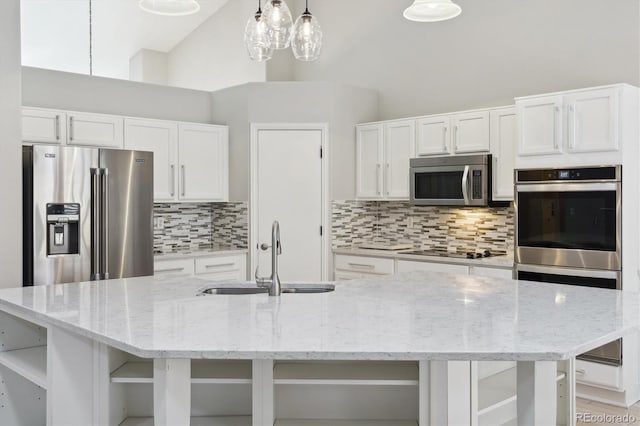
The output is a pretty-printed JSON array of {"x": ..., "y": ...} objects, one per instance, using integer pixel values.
[
  {"x": 257, "y": 38},
  {"x": 432, "y": 10},
  {"x": 279, "y": 21},
  {"x": 306, "y": 39},
  {"x": 170, "y": 7}
]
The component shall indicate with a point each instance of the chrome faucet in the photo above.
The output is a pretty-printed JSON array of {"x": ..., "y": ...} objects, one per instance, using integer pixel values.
[{"x": 272, "y": 282}]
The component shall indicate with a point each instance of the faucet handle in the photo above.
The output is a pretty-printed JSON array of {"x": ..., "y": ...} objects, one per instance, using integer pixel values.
[{"x": 264, "y": 246}]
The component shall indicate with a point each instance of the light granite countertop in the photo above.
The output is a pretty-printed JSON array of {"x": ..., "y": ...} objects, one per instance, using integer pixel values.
[
  {"x": 414, "y": 316},
  {"x": 213, "y": 250},
  {"x": 505, "y": 262}
]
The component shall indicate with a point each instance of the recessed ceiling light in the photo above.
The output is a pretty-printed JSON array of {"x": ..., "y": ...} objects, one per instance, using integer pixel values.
[
  {"x": 432, "y": 10},
  {"x": 170, "y": 7}
]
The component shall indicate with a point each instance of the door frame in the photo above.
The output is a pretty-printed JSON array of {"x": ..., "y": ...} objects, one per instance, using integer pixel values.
[{"x": 253, "y": 192}]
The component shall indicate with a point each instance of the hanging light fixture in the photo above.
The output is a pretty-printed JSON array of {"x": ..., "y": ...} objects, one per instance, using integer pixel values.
[
  {"x": 432, "y": 10},
  {"x": 306, "y": 39},
  {"x": 170, "y": 7},
  {"x": 279, "y": 21},
  {"x": 257, "y": 38}
]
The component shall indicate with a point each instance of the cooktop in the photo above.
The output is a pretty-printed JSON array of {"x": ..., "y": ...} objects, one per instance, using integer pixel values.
[{"x": 440, "y": 253}]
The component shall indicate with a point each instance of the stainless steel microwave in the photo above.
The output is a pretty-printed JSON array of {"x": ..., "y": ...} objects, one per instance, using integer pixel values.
[{"x": 460, "y": 180}]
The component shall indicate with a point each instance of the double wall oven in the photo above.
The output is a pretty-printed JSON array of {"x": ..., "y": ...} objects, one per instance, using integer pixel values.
[{"x": 568, "y": 231}]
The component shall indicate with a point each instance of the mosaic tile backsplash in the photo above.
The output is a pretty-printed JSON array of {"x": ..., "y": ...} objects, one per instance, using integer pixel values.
[
  {"x": 190, "y": 226},
  {"x": 428, "y": 228}
]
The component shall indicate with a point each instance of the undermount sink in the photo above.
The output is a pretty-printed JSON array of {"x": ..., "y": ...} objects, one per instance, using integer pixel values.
[{"x": 287, "y": 288}]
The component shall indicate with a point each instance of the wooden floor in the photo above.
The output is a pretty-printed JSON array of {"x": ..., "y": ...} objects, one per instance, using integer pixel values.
[{"x": 591, "y": 413}]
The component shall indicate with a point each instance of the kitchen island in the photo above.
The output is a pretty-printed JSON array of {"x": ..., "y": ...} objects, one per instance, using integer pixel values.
[{"x": 79, "y": 342}]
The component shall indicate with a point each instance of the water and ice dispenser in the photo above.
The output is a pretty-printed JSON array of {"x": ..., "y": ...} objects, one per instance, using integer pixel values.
[{"x": 63, "y": 229}]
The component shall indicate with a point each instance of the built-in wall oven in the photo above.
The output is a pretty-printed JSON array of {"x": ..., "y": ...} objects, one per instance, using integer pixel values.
[{"x": 568, "y": 231}]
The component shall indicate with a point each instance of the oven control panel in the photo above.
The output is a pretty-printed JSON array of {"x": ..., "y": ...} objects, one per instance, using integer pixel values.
[{"x": 575, "y": 174}]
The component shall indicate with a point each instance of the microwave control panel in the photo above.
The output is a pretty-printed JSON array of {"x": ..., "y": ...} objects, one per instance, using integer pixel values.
[{"x": 476, "y": 184}]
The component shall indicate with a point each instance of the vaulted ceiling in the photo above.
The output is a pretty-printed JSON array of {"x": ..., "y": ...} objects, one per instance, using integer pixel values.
[{"x": 55, "y": 33}]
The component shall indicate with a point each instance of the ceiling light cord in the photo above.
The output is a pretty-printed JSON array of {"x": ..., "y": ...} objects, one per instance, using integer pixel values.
[{"x": 90, "y": 38}]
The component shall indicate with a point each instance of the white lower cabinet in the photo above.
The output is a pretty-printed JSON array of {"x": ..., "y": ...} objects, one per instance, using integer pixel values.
[
  {"x": 347, "y": 267},
  {"x": 215, "y": 268},
  {"x": 410, "y": 266},
  {"x": 599, "y": 375},
  {"x": 173, "y": 267}
]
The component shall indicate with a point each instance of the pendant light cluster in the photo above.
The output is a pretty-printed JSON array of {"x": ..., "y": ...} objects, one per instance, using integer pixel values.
[{"x": 274, "y": 29}]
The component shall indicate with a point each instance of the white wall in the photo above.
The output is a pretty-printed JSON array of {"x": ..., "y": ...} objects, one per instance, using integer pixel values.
[
  {"x": 55, "y": 89},
  {"x": 494, "y": 51},
  {"x": 149, "y": 66},
  {"x": 10, "y": 146},
  {"x": 339, "y": 105},
  {"x": 213, "y": 56}
]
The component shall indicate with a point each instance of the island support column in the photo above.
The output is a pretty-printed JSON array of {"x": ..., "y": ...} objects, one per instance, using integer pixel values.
[
  {"x": 263, "y": 392},
  {"x": 171, "y": 392},
  {"x": 537, "y": 393}
]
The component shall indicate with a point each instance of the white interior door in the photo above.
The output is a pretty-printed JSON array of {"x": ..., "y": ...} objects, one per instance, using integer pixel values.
[{"x": 289, "y": 190}]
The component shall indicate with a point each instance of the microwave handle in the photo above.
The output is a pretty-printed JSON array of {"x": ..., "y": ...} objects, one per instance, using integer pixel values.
[{"x": 465, "y": 186}]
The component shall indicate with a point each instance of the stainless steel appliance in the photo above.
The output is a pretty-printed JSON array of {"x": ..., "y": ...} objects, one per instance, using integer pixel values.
[
  {"x": 569, "y": 217},
  {"x": 88, "y": 214},
  {"x": 568, "y": 231},
  {"x": 460, "y": 180}
]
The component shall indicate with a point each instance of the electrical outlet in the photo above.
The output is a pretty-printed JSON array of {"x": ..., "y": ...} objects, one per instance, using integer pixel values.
[{"x": 158, "y": 222}]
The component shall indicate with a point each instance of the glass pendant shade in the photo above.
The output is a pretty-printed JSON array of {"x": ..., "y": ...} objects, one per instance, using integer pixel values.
[
  {"x": 257, "y": 38},
  {"x": 306, "y": 39},
  {"x": 279, "y": 21},
  {"x": 432, "y": 10},
  {"x": 170, "y": 7}
]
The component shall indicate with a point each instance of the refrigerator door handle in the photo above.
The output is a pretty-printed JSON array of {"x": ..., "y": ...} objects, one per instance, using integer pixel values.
[
  {"x": 95, "y": 224},
  {"x": 104, "y": 231}
]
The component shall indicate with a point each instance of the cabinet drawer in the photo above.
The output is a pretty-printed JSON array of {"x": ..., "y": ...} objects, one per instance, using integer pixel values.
[
  {"x": 594, "y": 374},
  {"x": 173, "y": 267},
  {"x": 222, "y": 267},
  {"x": 409, "y": 266},
  {"x": 366, "y": 265}
]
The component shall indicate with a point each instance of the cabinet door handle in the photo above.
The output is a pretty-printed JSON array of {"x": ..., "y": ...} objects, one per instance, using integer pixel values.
[
  {"x": 378, "y": 174},
  {"x": 169, "y": 270},
  {"x": 555, "y": 128},
  {"x": 221, "y": 265},
  {"x": 444, "y": 138},
  {"x": 580, "y": 371},
  {"x": 173, "y": 180},
  {"x": 455, "y": 138},
  {"x": 184, "y": 180},
  {"x": 71, "y": 128},
  {"x": 361, "y": 265},
  {"x": 386, "y": 180},
  {"x": 572, "y": 128},
  {"x": 57, "y": 127}
]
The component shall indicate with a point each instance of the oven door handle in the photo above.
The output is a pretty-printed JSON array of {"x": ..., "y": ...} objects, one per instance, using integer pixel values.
[
  {"x": 567, "y": 187},
  {"x": 465, "y": 186},
  {"x": 561, "y": 270}
]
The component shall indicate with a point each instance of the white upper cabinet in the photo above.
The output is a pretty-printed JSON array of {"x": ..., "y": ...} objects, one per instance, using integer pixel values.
[
  {"x": 99, "y": 130},
  {"x": 540, "y": 125},
  {"x": 161, "y": 138},
  {"x": 399, "y": 142},
  {"x": 44, "y": 126},
  {"x": 203, "y": 153},
  {"x": 589, "y": 122},
  {"x": 369, "y": 158},
  {"x": 593, "y": 120},
  {"x": 503, "y": 147},
  {"x": 433, "y": 135},
  {"x": 471, "y": 132}
]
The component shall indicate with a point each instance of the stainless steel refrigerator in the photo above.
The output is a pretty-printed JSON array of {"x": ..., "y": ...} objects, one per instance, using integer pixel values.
[{"x": 87, "y": 214}]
